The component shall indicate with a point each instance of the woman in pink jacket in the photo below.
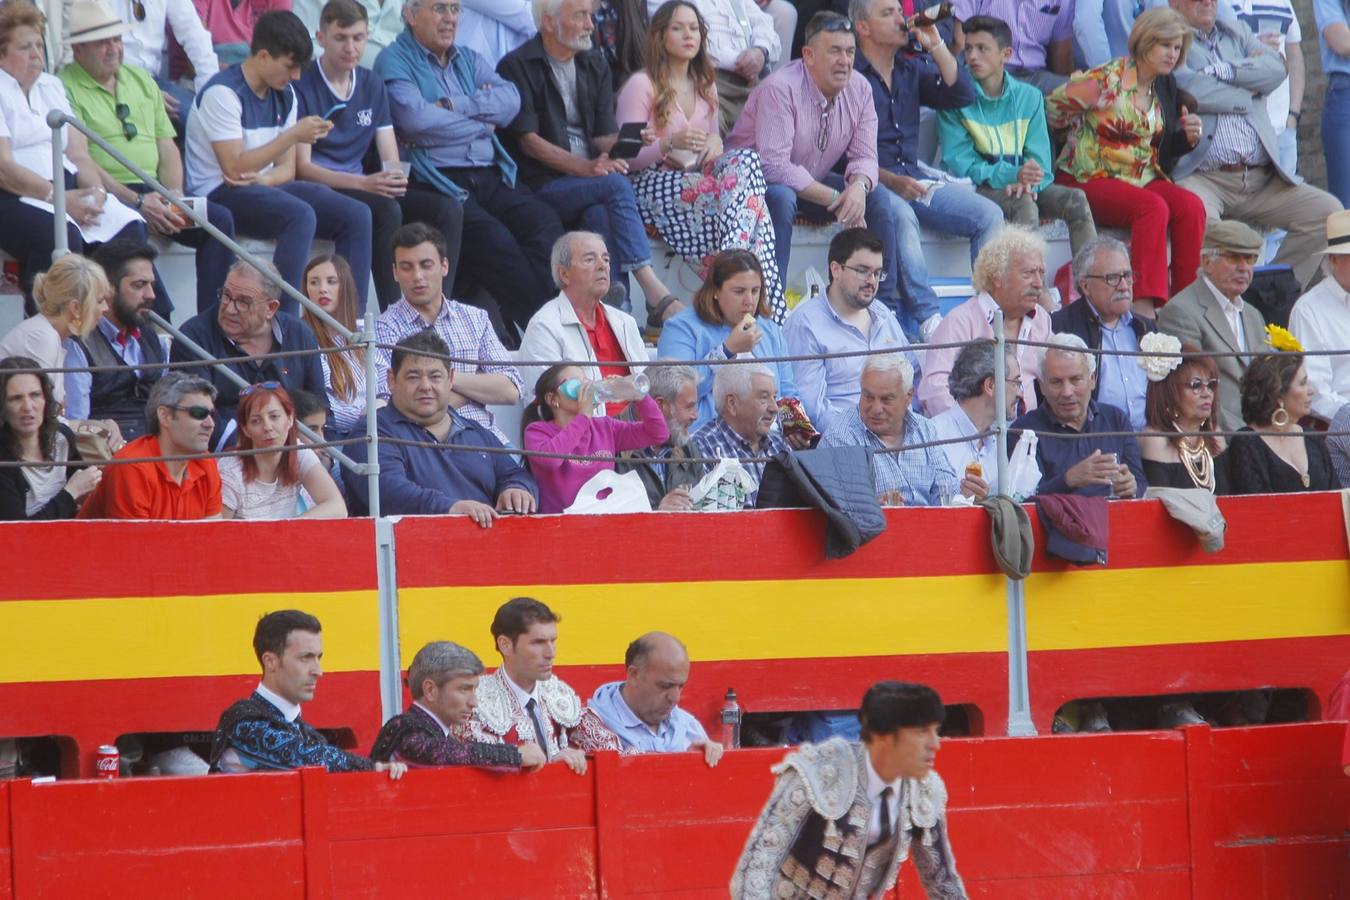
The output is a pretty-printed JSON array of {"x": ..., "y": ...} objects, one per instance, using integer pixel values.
[{"x": 563, "y": 419}]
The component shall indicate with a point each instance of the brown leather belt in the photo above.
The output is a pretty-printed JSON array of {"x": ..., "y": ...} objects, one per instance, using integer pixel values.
[{"x": 1240, "y": 167}]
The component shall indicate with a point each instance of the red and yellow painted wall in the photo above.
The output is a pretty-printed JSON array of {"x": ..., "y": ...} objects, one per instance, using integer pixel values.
[{"x": 113, "y": 628}]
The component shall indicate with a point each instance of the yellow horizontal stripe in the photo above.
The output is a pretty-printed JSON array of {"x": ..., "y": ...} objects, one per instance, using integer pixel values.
[
  {"x": 731, "y": 619},
  {"x": 156, "y": 637},
  {"x": 1191, "y": 604}
]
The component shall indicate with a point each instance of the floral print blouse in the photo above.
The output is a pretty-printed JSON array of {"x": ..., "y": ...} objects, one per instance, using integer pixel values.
[{"x": 1108, "y": 136}]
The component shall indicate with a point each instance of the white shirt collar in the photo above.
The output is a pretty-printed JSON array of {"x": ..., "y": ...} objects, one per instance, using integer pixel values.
[
  {"x": 288, "y": 709},
  {"x": 522, "y": 697},
  {"x": 351, "y": 91},
  {"x": 435, "y": 718},
  {"x": 1228, "y": 306},
  {"x": 875, "y": 785}
]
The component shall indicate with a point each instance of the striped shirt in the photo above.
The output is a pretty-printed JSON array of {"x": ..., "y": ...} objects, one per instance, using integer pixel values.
[
  {"x": 716, "y": 439},
  {"x": 1236, "y": 140},
  {"x": 347, "y": 413},
  {"x": 924, "y": 476},
  {"x": 467, "y": 331}
]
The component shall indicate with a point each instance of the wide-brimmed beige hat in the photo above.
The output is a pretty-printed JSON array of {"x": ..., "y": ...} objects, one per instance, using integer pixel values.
[
  {"x": 93, "y": 20},
  {"x": 1338, "y": 232}
]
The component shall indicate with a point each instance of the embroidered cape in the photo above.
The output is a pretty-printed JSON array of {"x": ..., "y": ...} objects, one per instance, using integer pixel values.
[
  {"x": 258, "y": 732},
  {"x": 500, "y": 719},
  {"x": 810, "y": 840},
  {"x": 416, "y": 738}
]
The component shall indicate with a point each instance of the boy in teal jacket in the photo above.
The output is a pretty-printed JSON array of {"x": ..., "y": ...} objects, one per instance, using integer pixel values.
[{"x": 1001, "y": 141}]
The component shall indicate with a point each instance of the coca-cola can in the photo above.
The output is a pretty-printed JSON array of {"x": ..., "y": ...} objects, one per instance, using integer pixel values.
[{"x": 107, "y": 762}]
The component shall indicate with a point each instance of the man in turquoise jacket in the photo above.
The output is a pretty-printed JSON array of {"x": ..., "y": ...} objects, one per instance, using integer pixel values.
[{"x": 1001, "y": 141}]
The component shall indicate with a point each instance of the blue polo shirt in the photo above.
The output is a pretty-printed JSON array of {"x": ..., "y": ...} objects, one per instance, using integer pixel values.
[
  {"x": 354, "y": 127},
  {"x": 429, "y": 480},
  {"x": 915, "y": 82}
]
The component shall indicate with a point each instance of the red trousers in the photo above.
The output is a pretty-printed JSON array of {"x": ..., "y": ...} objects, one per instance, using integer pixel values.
[{"x": 1149, "y": 212}]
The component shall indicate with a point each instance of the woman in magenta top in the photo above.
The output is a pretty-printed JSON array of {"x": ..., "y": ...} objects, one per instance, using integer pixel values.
[
  {"x": 562, "y": 420},
  {"x": 700, "y": 200}
]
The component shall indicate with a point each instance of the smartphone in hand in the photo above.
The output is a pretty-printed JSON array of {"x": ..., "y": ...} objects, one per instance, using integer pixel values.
[{"x": 629, "y": 143}]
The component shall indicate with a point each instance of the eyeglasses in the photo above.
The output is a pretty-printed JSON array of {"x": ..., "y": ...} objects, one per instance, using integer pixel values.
[
  {"x": 1235, "y": 258},
  {"x": 138, "y": 10},
  {"x": 868, "y": 274},
  {"x": 123, "y": 113},
  {"x": 200, "y": 413},
  {"x": 1198, "y": 384},
  {"x": 265, "y": 385},
  {"x": 240, "y": 304},
  {"x": 445, "y": 9},
  {"x": 1114, "y": 279}
]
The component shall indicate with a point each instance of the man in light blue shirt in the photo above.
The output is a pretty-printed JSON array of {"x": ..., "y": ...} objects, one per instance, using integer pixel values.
[
  {"x": 968, "y": 422},
  {"x": 643, "y": 710},
  {"x": 1105, "y": 320},
  {"x": 844, "y": 318}
]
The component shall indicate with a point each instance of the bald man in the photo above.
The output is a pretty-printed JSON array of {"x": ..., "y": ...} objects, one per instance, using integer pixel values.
[{"x": 643, "y": 710}]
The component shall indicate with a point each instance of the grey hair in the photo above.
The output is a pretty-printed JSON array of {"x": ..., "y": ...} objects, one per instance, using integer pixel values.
[
  {"x": 170, "y": 391},
  {"x": 541, "y": 8},
  {"x": 269, "y": 276},
  {"x": 859, "y": 10},
  {"x": 667, "y": 381},
  {"x": 735, "y": 381},
  {"x": 440, "y": 661},
  {"x": 1070, "y": 345},
  {"x": 1086, "y": 257},
  {"x": 974, "y": 365},
  {"x": 891, "y": 363},
  {"x": 561, "y": 257},
  {"x": 996, "y": 256}
]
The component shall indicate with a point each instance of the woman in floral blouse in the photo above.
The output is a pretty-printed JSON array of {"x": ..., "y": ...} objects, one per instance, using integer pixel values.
[
  {"x": 699, "y": 200},
  {"x": 1128, "y": 124}
]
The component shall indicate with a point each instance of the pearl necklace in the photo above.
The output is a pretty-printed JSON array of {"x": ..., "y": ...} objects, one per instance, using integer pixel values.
[{"x": 1198, "y": 461}]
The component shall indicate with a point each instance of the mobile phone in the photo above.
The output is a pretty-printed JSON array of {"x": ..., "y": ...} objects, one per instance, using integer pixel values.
[
  {"x": 629, "y": 143},
  {"x": 336, "y": 110}
]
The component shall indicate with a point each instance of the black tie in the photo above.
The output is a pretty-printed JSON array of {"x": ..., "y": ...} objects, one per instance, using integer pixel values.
[
  {"x": 533, "y": 709},
  {"x": 884, "y": 832}
]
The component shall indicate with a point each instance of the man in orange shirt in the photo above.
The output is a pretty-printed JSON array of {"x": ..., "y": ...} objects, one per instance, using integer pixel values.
[{"x": 178, "y": 422}]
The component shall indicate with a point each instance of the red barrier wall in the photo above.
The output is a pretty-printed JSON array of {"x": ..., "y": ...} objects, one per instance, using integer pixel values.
[{"x": 1244, "y": 814}]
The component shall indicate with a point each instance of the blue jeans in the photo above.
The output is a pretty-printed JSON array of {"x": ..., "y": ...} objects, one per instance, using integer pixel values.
[
  {"x": 607, "y": 206},
  {"x": 1336, "y": 136},
  {"x": 294, "y": 214}
]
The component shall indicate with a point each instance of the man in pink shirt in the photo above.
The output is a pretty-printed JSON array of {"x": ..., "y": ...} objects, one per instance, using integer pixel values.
[
  {"x": 802, "y": 120},
  {"x": 1009, "y": 274}
]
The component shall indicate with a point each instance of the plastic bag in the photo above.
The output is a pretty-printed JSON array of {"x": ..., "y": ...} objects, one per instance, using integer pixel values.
[
  {"x": 724, "y": 488},
  {"x": 610, "y": 492},
  {"x": 1024, "y": 474}
]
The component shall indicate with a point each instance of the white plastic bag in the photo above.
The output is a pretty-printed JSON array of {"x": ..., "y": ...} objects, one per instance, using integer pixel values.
[
  {"x": 1024, "y": 474},
  {"x": 610, "y": 492},
  {"x": 725, "y": 487}
]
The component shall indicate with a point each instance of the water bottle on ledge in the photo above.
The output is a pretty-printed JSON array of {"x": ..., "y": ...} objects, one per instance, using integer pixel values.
[{"x": 731, "y": 722}]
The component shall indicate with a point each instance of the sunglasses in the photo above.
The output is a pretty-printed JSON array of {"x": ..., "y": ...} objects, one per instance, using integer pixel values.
[
  {"x": 1197, "y": 385},
  {"x": 200, "y": 413},
  {"x": 835, "y": 24},
  {"x": 123, "y": 113},
  {"x": 265, "y": 385},
  {"x": 138, "y": 10}
]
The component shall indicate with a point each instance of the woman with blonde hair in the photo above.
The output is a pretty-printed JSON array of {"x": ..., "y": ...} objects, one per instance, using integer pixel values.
[
  {"x": 1128, "y": 123},
  {"x": 700, "y": 200},
  {"x": 328, "y": 281},
  {"x": 71, "y": 297}
]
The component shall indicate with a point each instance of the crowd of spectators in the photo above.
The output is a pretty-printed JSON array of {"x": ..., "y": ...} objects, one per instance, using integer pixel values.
[{"x": 498, "y": 161}]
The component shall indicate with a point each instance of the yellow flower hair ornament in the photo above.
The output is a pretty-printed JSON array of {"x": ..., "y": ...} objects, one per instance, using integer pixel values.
[{"x": 1280, "y": 339}]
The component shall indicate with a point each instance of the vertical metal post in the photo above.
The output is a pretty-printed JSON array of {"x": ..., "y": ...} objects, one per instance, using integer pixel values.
[
  {"x": 386, "y": 568},
  {"x": 60, "y": 242},
  {"x": 1019, "y": 686}
]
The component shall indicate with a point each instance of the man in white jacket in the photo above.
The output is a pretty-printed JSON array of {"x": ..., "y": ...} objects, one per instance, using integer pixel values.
[{"x": 576, "y": 325}]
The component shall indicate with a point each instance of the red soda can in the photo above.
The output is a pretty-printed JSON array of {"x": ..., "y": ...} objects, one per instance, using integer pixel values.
[{"x": 107, "y": 762}]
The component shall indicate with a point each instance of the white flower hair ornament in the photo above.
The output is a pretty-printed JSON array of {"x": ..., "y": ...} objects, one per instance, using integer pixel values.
[{"x": 1158, "y": 368}]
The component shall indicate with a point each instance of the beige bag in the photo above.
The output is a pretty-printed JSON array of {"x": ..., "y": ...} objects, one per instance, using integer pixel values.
[{"x": 96, "y": 438}]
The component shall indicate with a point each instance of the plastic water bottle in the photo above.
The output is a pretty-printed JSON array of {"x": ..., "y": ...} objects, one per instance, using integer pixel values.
[
  {"x": 621, "y": 390},
  {"x": 731, "y": 721}
]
